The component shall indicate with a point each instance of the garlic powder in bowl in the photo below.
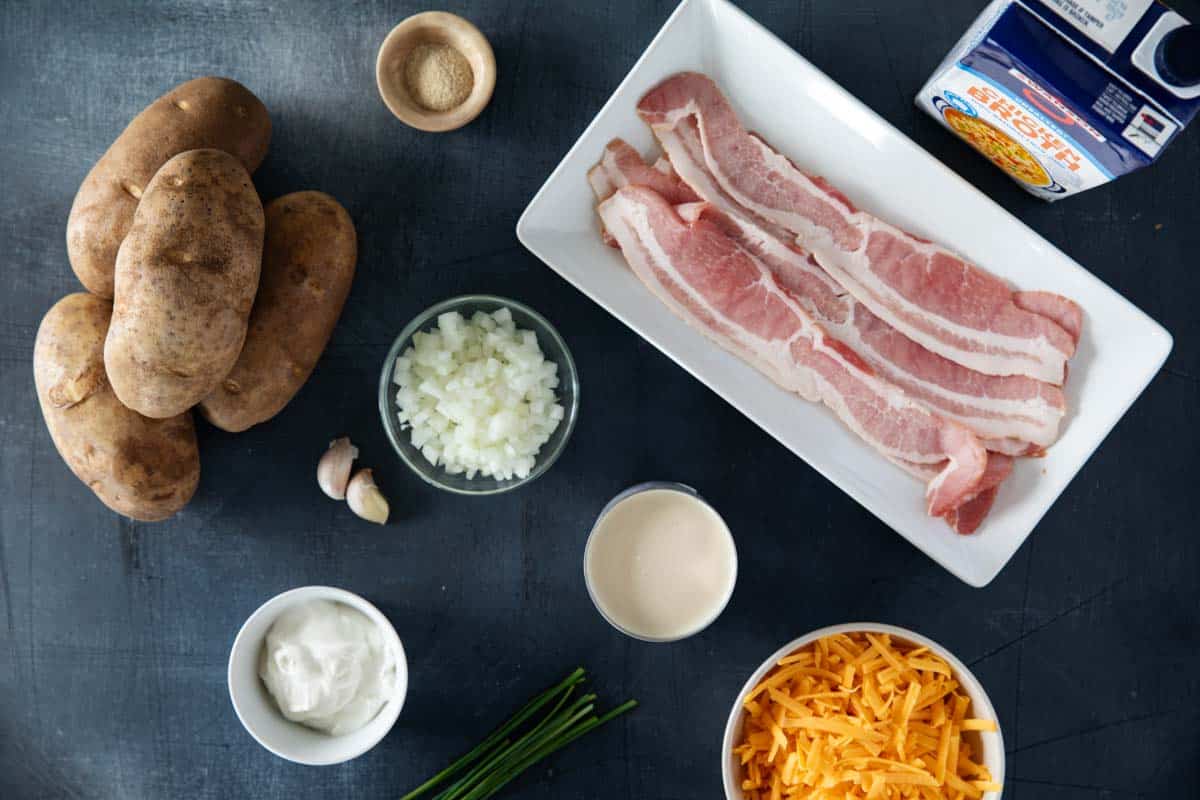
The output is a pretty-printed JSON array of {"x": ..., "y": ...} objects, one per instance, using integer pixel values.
[{"x": 482, "y": 395}]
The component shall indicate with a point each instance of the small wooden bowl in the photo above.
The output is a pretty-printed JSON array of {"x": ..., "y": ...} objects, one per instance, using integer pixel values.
[{"x": 434, "y": 27}]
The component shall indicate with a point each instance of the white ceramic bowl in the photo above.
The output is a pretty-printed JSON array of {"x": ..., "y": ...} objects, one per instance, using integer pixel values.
[
  {"x": 981, "y": 706},
  {"x": 257, "y": 710}
]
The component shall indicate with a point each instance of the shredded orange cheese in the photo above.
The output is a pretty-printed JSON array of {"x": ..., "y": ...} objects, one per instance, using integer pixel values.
[{"x": 861, "y": 716}]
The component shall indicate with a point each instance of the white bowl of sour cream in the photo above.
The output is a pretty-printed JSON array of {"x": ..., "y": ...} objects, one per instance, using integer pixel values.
[{"x": 317, "y": 675}]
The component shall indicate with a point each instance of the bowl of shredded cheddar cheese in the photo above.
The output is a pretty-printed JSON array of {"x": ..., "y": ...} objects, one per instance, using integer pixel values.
[{"x": 863, "y": 710}]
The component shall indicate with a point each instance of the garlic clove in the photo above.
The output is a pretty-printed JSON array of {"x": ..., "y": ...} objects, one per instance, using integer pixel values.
[
  {"x": 333, "y": 470},
  {"x": 365, "y": 499}
]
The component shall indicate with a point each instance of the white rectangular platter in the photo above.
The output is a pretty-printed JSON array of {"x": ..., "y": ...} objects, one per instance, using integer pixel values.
[{"x": 826, "y": 131}]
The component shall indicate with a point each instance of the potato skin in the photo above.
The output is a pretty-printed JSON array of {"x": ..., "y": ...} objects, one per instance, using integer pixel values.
[
  {"x": 308, "y": 265},
  {"x": 143, "y": 468},
  {"x": 185, "y": 283},
  {"x": 206, "y": 112}
]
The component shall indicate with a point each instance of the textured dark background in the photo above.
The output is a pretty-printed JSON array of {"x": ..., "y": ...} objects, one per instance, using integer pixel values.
[{"x": 114, "y": 635}]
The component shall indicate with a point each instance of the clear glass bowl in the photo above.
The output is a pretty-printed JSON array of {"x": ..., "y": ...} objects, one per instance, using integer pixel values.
[{"x": 554, "y": 349}]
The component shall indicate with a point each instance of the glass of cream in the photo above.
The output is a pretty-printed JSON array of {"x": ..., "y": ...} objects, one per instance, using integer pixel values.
[{"x": 660, "y": 564}]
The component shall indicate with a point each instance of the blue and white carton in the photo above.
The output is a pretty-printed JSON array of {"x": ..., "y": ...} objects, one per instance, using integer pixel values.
[{"x": 1065, "y": 95}]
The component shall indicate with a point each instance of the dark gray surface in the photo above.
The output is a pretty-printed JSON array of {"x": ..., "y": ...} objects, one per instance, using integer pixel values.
[{"x": 114, "y": 635}]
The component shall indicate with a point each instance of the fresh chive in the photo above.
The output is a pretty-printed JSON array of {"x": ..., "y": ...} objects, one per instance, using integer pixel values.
[
  {"x": 491, "y": 760},
  {"x": 552, "y": 747},
  {"x": 499, "y": 762},
  {"x": 503, "y": 755},
  {"x": 479, "y": 750}
]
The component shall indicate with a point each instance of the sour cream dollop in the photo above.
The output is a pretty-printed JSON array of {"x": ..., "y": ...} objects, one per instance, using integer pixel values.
[{"x": 328, "y": 666}]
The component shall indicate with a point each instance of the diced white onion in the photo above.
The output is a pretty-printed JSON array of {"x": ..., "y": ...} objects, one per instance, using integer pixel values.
[{"x": 478, "y": 395}]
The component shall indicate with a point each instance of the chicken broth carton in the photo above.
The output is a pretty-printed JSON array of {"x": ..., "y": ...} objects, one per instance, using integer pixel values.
[{"x": 1064, "y": 95}]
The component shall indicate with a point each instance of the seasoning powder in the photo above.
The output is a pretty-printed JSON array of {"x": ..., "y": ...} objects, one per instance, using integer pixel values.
[{"x": 439, "y": 77}]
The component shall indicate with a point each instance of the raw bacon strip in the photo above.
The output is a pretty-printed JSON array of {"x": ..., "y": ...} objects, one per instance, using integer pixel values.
[
  {"x": 823, "y": 296},
  {"x": 968, "y": 515},
  {"x": 599, "y": 180},
  {"x": 1066, "y": 313},
  {"x": 663, "y": 165},
  {"x": 730, "y": 296},
  {"x": 935, "y": 298},
  {"x": 1014, "y": 414},
  {"x": 622, "y": 165}
]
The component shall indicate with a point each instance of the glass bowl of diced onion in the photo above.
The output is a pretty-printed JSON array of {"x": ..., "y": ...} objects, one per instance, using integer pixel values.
[{"x": 423, "y": 452}]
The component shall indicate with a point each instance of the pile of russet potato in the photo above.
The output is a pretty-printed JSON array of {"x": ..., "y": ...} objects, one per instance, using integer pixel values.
[{"x": 197, "y": 297}]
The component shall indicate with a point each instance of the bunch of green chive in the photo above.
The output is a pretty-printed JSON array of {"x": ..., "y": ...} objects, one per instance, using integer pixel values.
[{"x": 507, "y": 752}]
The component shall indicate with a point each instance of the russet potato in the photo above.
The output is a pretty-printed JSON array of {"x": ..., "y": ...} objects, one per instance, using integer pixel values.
[
  {"x": 186, "y": 277},
  {"x": 143, "y": 468},
  {"x": 308, "y": 264},
  {"x": 203, "y": 113}
]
